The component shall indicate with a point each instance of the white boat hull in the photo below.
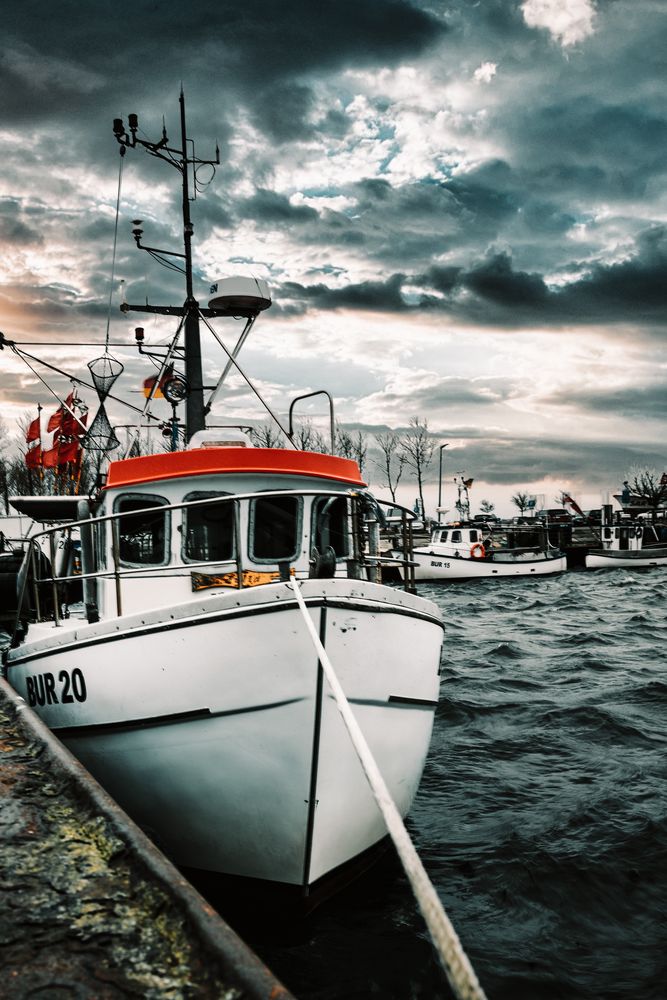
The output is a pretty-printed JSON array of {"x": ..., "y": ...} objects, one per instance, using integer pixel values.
[
  {"x": 621, "y": 559},
  {"x": 433, "y": 567},
  {"x": 210, "y": 722}
]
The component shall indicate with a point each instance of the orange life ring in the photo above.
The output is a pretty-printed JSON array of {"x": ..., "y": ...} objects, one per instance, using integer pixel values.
[{"x": 478, "y": 551}]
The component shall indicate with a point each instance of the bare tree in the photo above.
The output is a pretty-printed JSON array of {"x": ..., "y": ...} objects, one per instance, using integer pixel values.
[
  {"x": 360, "y": 449},
  {"x": 4, "y": 466},
  {"x": 267, "y": 436},
  {"x": 417, "y": 450},
  {"x": 393, "y": 461},
  {"x": 650, "y": 488},
  {"x": 350, "y": 445}
]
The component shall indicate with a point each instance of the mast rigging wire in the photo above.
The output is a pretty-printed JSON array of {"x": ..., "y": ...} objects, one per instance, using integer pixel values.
[
  {"x": 247, "y": 381},
  {"x": 132, "y": 439},
  {"x": 115, "y": 241},
  {"x": 74, "y": 379}
]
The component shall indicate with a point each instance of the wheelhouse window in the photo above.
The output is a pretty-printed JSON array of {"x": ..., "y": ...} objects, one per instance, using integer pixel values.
[
  {"x": 208, "y": 530},
  {"x": 274, "y": 528},
  {"x": 142, "y": 530},
  {"x": 456, "y": 536},
  {"x": 331, "y": 525}
]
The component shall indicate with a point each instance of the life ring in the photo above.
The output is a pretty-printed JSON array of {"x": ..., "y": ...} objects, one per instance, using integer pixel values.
[{"x": 478, "y": 551}]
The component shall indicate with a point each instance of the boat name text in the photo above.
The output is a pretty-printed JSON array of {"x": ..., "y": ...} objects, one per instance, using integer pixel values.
[{"x": 42, "y": 688}]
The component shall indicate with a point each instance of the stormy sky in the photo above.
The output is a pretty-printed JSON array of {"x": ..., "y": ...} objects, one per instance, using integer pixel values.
[{"x": 460, "y": 208}]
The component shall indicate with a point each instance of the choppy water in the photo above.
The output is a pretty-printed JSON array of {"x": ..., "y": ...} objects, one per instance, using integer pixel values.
[{"x": 541, "y": 817}]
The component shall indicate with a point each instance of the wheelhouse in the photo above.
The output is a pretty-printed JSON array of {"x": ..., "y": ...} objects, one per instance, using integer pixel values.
[{"x": 171, "y": 526}]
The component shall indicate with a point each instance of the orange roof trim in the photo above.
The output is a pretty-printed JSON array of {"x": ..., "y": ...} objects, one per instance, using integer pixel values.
[{"x": 209, "y": 461}]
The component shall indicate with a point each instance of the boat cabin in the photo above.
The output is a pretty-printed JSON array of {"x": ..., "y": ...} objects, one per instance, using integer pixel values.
[
  {"x": 622, "y": 537},
  {"x": 212, "y": 518},
  {"x": 456, "y": 537}
]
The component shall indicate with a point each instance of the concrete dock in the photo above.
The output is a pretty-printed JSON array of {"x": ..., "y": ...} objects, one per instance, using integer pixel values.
[{"x": 89, "y": 908}]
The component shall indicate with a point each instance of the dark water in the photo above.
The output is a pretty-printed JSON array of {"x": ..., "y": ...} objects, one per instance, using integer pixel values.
[{"x": 541, "y": 818}]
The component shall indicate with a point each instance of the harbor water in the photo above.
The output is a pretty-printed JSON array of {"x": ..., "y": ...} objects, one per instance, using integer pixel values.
[{"x": 542, "y": 814}]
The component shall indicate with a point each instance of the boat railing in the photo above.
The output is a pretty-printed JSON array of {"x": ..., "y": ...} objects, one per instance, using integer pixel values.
[{"x": 45, "y": 576}]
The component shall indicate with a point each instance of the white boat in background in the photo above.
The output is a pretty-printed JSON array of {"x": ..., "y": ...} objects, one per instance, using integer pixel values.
[
  {"x": 628, "y": 545},
  {"x": 187, "y": 681},
  {"x": 466, "y": 552}
]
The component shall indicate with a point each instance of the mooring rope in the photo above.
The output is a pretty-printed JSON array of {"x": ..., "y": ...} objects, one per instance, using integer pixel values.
[{"x": 458, "y": 969}]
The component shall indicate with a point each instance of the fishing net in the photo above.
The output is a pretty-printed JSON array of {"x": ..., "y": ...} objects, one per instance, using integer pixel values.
[
  {"x": 101, "y": 435},
  {"x": 104, "y": 372}
]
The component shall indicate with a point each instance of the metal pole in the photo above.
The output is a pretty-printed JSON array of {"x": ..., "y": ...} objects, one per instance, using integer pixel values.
[
  {"x": 115, "y": 553},
  {"x": 194, "y": 405},
  {"x": 442, "y": 447}
]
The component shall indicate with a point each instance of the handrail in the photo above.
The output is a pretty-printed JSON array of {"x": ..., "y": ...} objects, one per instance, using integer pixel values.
[
  {"x": 332, "y": 425},
  {"x": 118, "y": 572}
]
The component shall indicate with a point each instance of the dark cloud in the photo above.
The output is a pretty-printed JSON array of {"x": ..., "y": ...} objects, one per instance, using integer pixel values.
[
  {"x": 382, "y": 296},
  {"x": 496, "y": 280},
  {"x": 242, "y": 44},
  {"x": 638, "y": 401},
  {"x": 498, "y": 293},
  {"x": 515, "y": 460},
  {"x": 267, "y": 206}
]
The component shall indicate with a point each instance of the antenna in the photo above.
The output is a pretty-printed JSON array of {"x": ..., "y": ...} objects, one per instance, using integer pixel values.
[{"x": 178, "y": 158}]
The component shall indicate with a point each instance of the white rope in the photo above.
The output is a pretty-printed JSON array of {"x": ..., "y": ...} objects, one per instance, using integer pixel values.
[{"x": 458, "y": 969}]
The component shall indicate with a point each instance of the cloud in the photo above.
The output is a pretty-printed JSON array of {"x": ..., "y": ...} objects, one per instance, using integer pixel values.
[
  {"x": 430, "y": 190},
  {"x": 485, "y": 73},
  {"x": 646, "y": 402},
  {"x": 270, "y": 207},
  {"x": 568, "y": 21}
]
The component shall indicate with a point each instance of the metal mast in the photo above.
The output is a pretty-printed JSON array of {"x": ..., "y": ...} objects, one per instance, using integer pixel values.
[{"x": 178, "y": 158}]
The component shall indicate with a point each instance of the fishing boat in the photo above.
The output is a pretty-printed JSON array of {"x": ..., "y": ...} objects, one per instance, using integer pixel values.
[
  {"x": 467, "y": 552},
  {"x": 627, "y": 545},
  {"x": 186, "y": 681}
]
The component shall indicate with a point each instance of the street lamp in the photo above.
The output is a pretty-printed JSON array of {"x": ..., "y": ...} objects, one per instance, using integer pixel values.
[{"x": 442, "y": 448}]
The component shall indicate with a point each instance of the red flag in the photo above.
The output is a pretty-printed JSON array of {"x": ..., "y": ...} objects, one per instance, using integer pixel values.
[
  {"x": 50, "y": 458},
  {"x": 72, "y": 426},
  {"x": 33, "y": 457},
  {"x": 573, "y": 505},
  {"x": 33, "y": 433},
  {"x": 67, "y": 452},
  {"x": 55, "y": 421}
]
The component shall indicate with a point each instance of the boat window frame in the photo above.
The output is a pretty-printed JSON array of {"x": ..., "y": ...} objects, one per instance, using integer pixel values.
[
  {"x": 207, "y": 495},
  {"x": 147, "y": 500},
  {"x": 349, "y": 532},
  {"x": 250, "y": 537},
  {"x": 459, "y": 540}
]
